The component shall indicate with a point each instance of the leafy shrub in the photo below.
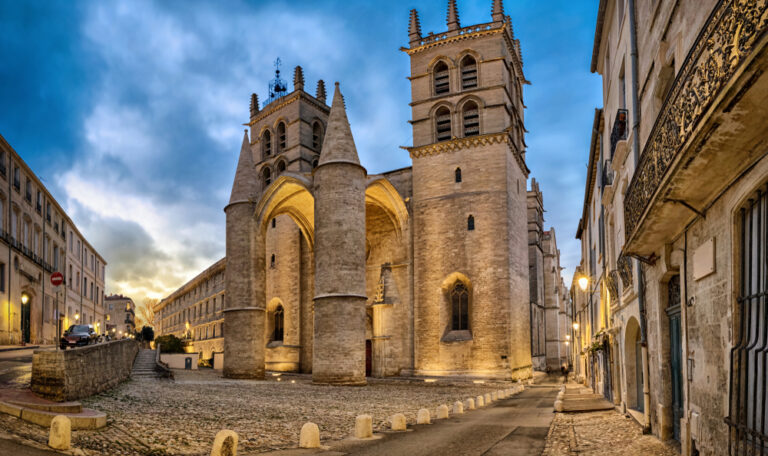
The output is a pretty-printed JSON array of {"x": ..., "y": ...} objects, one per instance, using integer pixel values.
[
  {"x": 170, "y": 344},
  {"x": 147, "y": 334}
]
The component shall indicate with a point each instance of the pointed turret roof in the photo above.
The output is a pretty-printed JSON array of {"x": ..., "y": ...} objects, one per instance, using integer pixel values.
[
  {"x": 497, "y": 13},
  {"x": 453, "y": 16},
  {"x": 246, "y": 183},
  {"x": 339, "y": 145},
  {"x": 414, "y": 27}
]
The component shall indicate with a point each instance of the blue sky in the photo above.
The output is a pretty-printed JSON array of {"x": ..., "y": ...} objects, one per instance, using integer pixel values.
[{"x": 131, "y": 111}]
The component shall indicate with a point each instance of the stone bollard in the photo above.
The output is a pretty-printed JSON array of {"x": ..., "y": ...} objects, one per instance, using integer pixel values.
[
  {"x": 310, "y": 436},
  {"x": 558, "y": 406},
  {"x": 562, "y": 389},
  {"x": 494, "y": 396},
  {"x": 363, "y": 427},
  {"x": 458, "y": 408},
  {"x": 60, "y": 436},
  {"x": 502, "y": 394},
  {"x": 442, "y": 412},
  {"x": 469, "y": 404},
  {"x": 422, "y": 417},
  {"x": 225, "y": 444},
  {"x": 397, "y": 422},
  {"x": 480, "y": 401},
  {"x": 560, "y": 396},
  {"x": 488, "y": 399}
]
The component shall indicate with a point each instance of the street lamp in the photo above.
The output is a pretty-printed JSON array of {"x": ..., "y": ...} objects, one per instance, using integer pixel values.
[
  {"x": 24, "y": 298},
  {"x": 77, "y": 317},
  {"x": 583, "y": 283},
  {"x": 575, "y": 326}
]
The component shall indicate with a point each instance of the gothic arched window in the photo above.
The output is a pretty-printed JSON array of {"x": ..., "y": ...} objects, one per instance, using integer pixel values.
[
  {"x": 266, "y": 143},
  {"x": 458, "y": 175},
  {"x": 279, "y": 324},
  {"x": 317, "y": 136},
  {"x": 443, "y": 124},
  {"x": 272, "y": 261},
  {"x": 442, "y": 80},
  {"x": 267, "y": 176},
  {"x": 281, "y": 137},
  {"x": 280, "y": 167},
  {"x": 314, "y": 163},
  {"x": 470, "y": 223},
  {"x": 471, "y": 119},
  {"x": 459, "y": 307},
  {"x": 468, "y": 72}
]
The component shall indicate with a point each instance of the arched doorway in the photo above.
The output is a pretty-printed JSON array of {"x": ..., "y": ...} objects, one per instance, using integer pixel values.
[{"x": 633, "y": 360}]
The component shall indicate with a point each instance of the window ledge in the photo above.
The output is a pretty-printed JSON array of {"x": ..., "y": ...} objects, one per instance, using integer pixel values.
[
  {"x": 457, "y": 336},
  {"x": 275, "y": 343}
]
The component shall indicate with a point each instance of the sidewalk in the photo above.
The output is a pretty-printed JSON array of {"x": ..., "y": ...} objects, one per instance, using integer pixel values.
[{"x": 6, "y": 348}]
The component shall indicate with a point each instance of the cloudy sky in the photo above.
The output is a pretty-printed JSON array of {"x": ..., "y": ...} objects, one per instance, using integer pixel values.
[{"x": 131, "y": 111}]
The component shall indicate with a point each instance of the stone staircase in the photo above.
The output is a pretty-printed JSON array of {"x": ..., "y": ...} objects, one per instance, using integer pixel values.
[{"x": 144, "y": 365}]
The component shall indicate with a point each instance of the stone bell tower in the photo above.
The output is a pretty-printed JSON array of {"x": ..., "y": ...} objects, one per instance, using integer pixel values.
[
  {"x": 469, "y": 199},
  {"x": 340, "y": 295}
]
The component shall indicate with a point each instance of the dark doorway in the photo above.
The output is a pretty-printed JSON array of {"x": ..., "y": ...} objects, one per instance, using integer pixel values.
[
  {"x": 675, "y": 353},
  {"x": 368, "y": 358},
  {"x": 607, "y": 387},
  {"x": 639, "y": 375},
  {"x": 25, "y": 322}
]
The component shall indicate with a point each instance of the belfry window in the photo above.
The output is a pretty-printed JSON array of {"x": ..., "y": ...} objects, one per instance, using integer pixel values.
[
  {"x": 471, "y": 118},
  {"x": 266, "y": 143},
  {"x": 280, "y": 167},
  {"x": 458, "y": 175},
  {"x": 277, "y": 335},
  {"x": 468, "y": 73},
  {"x": 281, "y": 137},
  {"x": 317, "y": 136},
  {"x": 267, "y": 176},
  {"x": 443, "y": 124},
  {"x": 470, "y": 223},
  {"x": 459, "y": 307},
  {"x": 442, "y": 80}
]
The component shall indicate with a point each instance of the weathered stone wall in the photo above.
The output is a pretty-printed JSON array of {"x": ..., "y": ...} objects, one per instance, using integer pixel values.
[{"x": 68, "y": 375}]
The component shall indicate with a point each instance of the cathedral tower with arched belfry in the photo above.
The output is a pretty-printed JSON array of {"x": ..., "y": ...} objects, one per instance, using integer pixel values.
[
  {"x": 418, "y": 271},
  {"x": 469, "y": 198}
]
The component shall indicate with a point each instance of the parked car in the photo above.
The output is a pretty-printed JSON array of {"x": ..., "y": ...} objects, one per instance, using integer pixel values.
[{"x": 78, "y": 335}]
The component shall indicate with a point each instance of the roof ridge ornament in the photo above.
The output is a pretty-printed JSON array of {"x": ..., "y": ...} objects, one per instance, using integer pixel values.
[
  {"x": 277, "y": 87},
  {"x": 453, "y": 16}
]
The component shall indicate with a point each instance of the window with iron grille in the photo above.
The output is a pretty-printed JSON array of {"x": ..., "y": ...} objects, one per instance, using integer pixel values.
[
  {"x": 471, "y": 118},
  {"x": 748, "y": 409},
  {"x": 442, "y": 80},
  {"x": 468, "y": 73},
  {"x": 443, "y": 124}
]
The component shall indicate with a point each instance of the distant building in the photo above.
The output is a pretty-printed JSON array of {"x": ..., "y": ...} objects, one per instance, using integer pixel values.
[
  {"x": 37, "y": 238},
  {"x": 120, "y": 315},
  {"x": 194, "y": 312}
]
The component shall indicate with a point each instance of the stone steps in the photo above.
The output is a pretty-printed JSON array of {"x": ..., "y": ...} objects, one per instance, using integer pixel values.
[
  {"x": 28, "y": 407},
  {"x": 144, "y": 365}
]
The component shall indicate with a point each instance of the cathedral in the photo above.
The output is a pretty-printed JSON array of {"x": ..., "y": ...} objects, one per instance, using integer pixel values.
[{"x": 420, "y": 271}]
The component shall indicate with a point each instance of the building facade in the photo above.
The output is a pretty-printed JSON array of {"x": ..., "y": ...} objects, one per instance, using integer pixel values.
[
  {"x": 672, "y": 317},
  {"x": 550, "y": 301},
  {"x": 193, "y": 313},
  {"x": 38, "y": 239},
  {"x": 120, "y": 316}
]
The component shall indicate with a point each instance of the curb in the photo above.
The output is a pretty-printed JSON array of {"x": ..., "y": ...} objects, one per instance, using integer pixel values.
[{"x": 25, "y": 347}]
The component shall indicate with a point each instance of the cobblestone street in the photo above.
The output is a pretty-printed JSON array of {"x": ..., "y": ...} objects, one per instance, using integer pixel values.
[{"x": 601, "y": 433}]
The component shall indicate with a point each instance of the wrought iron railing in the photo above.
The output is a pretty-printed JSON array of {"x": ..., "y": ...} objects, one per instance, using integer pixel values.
[
  {"x": 619, "y": 131},
  {"x": 725, "y": 43}
]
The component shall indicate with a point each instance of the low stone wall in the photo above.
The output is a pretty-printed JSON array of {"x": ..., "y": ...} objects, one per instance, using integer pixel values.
[
  {"x": 178, "y": 360},
  {"x": 67, "y": 375}
]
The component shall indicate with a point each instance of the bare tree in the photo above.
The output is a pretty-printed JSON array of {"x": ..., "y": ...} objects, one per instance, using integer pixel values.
[{"x": 145, "y": 313}]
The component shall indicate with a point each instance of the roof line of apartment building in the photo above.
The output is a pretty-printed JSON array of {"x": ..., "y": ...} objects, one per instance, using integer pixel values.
[{"x": 215, "y": 267}]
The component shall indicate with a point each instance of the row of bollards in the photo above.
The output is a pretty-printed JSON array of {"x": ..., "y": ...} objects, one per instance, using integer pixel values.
[{"x": 225, "y": 442}]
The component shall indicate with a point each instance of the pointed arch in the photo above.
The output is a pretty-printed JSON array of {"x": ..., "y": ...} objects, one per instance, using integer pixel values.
[
  {"x": 457, "y": 175},
  {"x": 457, "y": 289},
  {"x": 380, "y": 192},
  {"x": 289, "y": 194},
  {"x": 441, "y": 77},
  {"x": 266, "y": 143},
  {"x": 468, "y": 69},
  {"x": 443, "y": 127},
  {"x": 281, "y": 136},
  {"x": 318, "y": 134}
]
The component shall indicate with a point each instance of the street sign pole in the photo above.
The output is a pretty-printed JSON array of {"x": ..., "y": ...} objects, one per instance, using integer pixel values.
[{"x": 57, "y": 278}]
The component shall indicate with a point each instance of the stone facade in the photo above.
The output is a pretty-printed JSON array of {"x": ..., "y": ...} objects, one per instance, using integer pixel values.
[
  {"x": 68, "y": 375},
  {"x": 416, "y": 271},
  {"x": 673, "y": 226},
  {"x": 550, "y": 306},
  {"x": 120, "y": 316},
  {"x": 193, "y": 313},
  {"x": 38, "y": 238}
]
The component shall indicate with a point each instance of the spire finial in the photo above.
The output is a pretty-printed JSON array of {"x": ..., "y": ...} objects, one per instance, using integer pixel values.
[
  {"x": 254, "y": 105},
  {"x": 414, "y": 28},
  {"x": 338, "y": 144},
  {"x": 320, "y": 94},
  {"x": 497, "y": 13},
  {"x": 298, "y": 78},
  {"x": 453, "y": 16}
]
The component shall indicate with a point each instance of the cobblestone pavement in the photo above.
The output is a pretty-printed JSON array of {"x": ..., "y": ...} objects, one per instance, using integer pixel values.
[
  {"x": 183, "y": 417},
  {"x": 601, "y": 433}
]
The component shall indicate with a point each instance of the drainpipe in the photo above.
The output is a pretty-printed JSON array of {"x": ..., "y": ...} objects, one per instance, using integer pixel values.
[{"x": 641, "y": 275}]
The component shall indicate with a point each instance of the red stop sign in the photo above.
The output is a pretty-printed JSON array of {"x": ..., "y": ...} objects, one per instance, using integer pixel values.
[{"x": 57, "y": 279}]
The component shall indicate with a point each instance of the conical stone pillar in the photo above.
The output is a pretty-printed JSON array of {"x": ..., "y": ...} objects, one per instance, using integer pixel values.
[
  {"x": 245, "y": 277},
  {"x": 339, "y": 190}
]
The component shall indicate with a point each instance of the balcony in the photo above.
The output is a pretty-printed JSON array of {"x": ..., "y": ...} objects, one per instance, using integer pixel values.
[
  {"x": 709, "y": 129},
  {"x": 619, "y": 131}
]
